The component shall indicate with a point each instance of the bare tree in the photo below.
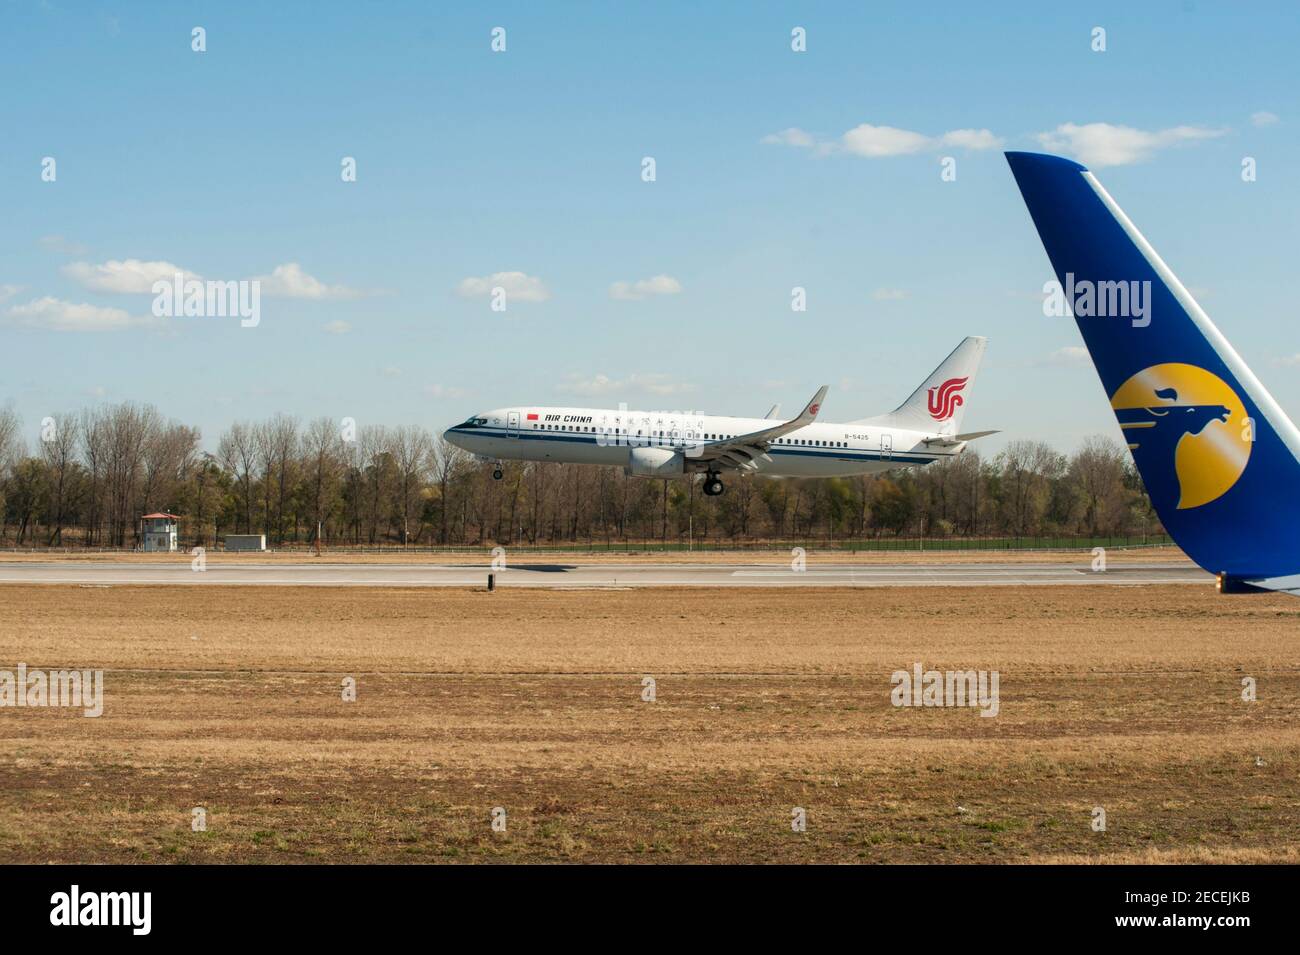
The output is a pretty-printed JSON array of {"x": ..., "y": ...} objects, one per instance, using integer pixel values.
[
  {"x": 323, "y": 457},
  {"x": 94, "y": 449},
  {"x": 237, "y": 452},
  {"x": 412, "y": 449},
  {"x": 169, "y": 454},
  {"x": 264, "y": 453},
  {"x": 1027, "y": 467},
  {"x": 59, "y": 452},
  {"x": 129, "y": 427},
  {"x": 11, "y": 450},
  {"x": 1097, "y": 470},
  {"x": 283, "y": 436},
  {"x": 448, "y": 462}
]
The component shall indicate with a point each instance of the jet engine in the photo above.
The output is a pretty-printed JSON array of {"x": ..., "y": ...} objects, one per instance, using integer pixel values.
[{"x": 655, "y": 462}]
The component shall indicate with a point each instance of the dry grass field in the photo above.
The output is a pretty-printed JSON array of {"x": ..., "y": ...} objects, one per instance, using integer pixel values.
[{"x": 1127, "y": 698}]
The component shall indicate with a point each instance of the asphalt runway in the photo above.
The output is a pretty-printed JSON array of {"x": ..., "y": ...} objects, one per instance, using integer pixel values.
[{"x": 561, "y": 575}]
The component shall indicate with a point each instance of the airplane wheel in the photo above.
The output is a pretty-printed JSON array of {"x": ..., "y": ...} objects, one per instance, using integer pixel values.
[
  {"x": 713, "y": 487},
  {"x": 497, "y": 475}
]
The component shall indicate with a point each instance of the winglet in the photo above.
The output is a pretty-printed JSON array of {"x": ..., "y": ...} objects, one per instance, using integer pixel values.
[
  {"x": 744, "y": 443},
  {"x": 809, "y": 413},
  {"x": 776, "y": 410}
]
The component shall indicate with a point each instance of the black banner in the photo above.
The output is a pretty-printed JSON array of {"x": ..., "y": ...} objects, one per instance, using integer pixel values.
[{"x": 299, "y": 903}]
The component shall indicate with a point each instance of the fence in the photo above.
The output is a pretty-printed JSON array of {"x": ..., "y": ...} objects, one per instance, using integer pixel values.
[{"x": 868, "y": 544}]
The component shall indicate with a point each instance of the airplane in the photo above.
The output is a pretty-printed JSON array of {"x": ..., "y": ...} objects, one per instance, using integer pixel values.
[
  {"x": 1219, "y": 458},
  {"x": 923, "y": 429}
]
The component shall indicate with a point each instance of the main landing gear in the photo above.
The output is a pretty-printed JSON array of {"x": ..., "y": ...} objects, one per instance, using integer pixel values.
[{"x": 713, "y": 484}]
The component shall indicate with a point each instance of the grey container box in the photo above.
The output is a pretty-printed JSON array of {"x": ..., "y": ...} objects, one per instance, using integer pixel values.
[{"x": 243, "y": 542}]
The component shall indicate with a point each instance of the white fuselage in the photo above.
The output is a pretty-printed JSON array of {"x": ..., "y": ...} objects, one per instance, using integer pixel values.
[{"x": 607, "y": 436}]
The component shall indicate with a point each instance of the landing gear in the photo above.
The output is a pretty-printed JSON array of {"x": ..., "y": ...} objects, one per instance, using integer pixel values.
[
  {"x": 713, "y": 485},
  {"x": 497, "y": 475}
]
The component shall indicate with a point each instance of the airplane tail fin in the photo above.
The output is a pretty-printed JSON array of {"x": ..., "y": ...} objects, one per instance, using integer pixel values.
[
  {"x": 1219, "y": 458},
  {"x": 939, "y": 404}
]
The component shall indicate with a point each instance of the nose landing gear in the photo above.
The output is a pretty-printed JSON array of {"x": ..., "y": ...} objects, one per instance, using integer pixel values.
[{"x": 497, "y": 474}]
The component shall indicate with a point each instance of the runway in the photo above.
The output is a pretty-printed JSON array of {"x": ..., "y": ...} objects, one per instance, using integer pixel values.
[{"x": 561, "y": 575}]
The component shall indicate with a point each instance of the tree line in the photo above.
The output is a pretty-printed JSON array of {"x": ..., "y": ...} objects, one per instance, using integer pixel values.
[{"x": 90, "y": 476}]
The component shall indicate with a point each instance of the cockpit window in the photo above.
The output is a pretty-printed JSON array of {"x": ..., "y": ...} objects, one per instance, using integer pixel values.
[{"x": 474, "y": 423}]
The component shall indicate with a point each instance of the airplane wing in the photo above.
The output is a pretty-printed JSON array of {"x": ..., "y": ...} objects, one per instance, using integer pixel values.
[
  {"x": 951, "y": 440},
  {"x": 744, "y": 451}
]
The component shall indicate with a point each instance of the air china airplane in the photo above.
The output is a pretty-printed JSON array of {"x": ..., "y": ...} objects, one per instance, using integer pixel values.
[{"x": 655, "y": 444}]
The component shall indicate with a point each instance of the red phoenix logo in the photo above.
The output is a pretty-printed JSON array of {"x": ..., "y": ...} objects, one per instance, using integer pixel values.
[
  {"x": 944, "y": 399},
  {"x": 813, "y": 409}
]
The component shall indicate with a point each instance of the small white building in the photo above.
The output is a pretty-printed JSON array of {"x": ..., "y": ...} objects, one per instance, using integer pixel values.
[{"x": 158, "y": 531}]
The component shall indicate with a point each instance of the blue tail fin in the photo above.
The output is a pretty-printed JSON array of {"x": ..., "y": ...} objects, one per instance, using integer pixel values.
[{"x": 1219, "y": 458}]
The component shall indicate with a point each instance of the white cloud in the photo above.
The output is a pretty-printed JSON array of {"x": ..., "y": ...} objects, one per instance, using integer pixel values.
[
  {"x": 9, "y": 291},
  {"x": 392, "y": 371},
  {"x": 971, "y": 139},
  {"x": 125, "y": 276},
  {"x": 444, "y": 391},
  {"x": 644, "y": 288},
  {"x": 653, "y": 384},
  {"x": 1291, "y": 360},
  {"x": 889, "y": 294},
  {"x": 790, "y": 137},
  {"x": 1103, "y": 144},
  {"x": 58, "y": 315},
  {"x": 1263, "y": 118},
  {"x": 290, "y": 281},
  {"x": 129, "y": 276},
  {"x": 337, "y": 327},
  {"x": 1070, "y": 355},
  {"x": 876, "y": 142},
  {"x": 518, "y": 286}
]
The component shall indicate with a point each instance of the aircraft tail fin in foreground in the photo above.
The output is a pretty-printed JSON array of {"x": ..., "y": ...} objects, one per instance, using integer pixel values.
[
  {"x": 1219, "y": 458},
  {"x": 940, "y": 402}
]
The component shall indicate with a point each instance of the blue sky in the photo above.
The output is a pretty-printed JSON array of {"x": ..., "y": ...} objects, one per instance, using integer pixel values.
[{"x": 226, "y": 164}]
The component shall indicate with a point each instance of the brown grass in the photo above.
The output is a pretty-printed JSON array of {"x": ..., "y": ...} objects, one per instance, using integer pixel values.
[{"x": 229, "y": 698}]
